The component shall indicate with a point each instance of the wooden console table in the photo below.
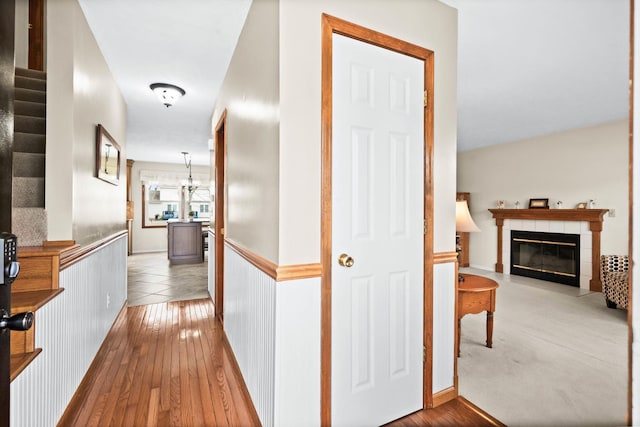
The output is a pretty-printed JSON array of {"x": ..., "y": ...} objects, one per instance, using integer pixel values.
[
  {"x": 475, "y": 295},
  {"x": 593, "y": 216}
]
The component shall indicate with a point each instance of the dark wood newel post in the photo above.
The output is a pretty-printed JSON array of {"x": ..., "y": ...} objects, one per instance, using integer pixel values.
[
  {"x": 499, "y": 266},
  {"x": 594, "y": 217}
]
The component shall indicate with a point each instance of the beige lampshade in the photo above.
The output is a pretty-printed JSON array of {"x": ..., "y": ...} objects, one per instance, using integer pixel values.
[{"x": 464, "y": 222}]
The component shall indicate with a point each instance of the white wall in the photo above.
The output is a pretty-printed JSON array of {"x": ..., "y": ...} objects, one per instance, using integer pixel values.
[
  {"x": 155, "y": 239},
  {"x": 572, "y": 166},
  {"x": 81, "y": 94}
]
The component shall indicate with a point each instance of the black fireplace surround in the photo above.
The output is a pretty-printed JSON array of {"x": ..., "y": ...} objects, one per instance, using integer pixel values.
[{"x": 554, "y": 257}]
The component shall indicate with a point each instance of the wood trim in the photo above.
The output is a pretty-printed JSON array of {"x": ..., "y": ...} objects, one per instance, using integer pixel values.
[
  {"x": 32, "y": 301},
  {"x": 219, "y": 221},
  {"x": 130, "y": 212},
  {"x": 299, "y": 271},
  {"x": 36, "y": 35},
  {"x": 445, "y": 395},
  {"x": 594, "y": 217},
  {"x": 277, "y": 273},
  {"x": 331, "y": 25},
  {"x": 144, "y": 213},
  {"x": 58, "y": 243},
  {"x": 77, "y": 253},
  {"x": 587, "y": 215},
  {"x": 7, "y": 85},
  {"x": 325, "y": 219},
  {"x": 20, "y": 361},
  {"x": 490, "y": 420},
  {"x": 445, "y": 257}
]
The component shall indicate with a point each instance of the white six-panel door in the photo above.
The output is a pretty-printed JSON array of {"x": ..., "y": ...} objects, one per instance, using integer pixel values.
[{"x": 377, "y": 220}]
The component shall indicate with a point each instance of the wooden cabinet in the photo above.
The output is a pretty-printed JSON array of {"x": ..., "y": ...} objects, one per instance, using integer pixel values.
[
  {"x": 185, "y": 242},
  {"x": 463, "y": 242}
]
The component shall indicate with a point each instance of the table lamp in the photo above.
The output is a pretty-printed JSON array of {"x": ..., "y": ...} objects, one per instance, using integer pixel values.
[{"x": 464, "y": 224}]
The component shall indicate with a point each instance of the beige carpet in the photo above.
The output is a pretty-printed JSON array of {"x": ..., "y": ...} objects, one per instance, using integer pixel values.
[{"x": 559, "y": 356}]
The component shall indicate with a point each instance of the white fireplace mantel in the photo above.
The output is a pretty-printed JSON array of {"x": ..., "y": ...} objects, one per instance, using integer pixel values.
[{"x": 594, "y": 218}]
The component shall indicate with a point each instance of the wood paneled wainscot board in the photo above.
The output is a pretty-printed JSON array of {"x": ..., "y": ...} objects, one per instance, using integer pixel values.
[{"x": 593, "y": 216}]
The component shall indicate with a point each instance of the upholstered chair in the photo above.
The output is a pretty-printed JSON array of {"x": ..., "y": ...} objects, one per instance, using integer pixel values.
[{"x": 614, "y": 274}]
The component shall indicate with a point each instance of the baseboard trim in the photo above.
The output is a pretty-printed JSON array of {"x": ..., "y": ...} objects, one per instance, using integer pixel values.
[
  {"x": 445, "y": 396},
  {"x": 491, "y": 421}
]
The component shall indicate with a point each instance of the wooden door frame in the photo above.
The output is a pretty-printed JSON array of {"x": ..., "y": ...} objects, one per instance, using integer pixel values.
[
  {"x": 7, "y": 98},
  {"x": 331, "y": 25},
  {"x": 36, "y": 35},
  {"x": 220, "y": 154}
]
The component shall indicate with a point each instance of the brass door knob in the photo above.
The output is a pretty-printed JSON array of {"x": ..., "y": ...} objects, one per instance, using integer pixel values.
[{"x": 345, "y": 260}]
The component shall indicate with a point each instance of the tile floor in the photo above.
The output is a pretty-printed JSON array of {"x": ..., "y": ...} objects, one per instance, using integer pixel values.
[{"x": 152, "y": 280}]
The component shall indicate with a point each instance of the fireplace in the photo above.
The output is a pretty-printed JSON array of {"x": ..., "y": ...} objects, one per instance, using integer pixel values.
[{"x": 554, "y": 257}]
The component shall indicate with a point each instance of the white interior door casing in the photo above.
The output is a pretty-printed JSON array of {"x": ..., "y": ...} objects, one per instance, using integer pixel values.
[{"x": 378, "y": 219}]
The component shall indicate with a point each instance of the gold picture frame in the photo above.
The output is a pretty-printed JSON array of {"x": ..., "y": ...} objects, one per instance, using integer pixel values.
[{"x": 107, "y": 157}]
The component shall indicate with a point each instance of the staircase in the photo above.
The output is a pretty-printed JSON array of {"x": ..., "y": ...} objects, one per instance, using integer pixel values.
[{"x": 29, "y": 218}]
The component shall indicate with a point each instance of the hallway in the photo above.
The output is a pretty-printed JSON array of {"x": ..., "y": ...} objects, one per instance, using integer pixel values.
[{"x": 169, "y": 364}]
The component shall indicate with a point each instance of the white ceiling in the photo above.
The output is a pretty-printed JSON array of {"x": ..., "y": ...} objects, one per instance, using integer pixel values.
[
  {"x": 187, "y": 43},
  {"x": 526, "y": 67},
  {"x": 532, "y": 67}
]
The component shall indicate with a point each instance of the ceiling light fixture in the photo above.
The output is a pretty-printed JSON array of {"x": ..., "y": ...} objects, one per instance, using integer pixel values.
[{"x": 167, "y": 93}]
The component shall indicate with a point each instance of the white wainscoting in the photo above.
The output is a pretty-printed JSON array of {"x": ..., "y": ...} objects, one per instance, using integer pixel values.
[
  {"x": 444, "y": 294},
  {"x": 70, "y": 330},
  {"x": 249, "y": 322},
  {"x": 297, "y": 375}
]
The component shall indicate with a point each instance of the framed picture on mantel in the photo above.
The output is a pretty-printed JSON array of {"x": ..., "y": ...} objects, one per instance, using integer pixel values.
[{"x": 538, "y": 203}]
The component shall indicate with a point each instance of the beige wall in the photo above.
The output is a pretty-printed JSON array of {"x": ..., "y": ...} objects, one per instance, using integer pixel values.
[
  {"x": 429, "y": 24},
  {"x": 22, "y": 34},
  {"x": 250, "y": 96},
  {"x": 154, "y": 239},
  {"x": 273, "y": 172},
  {"x": 572, "y": 166},
  {"x": 81, "y": 94}
]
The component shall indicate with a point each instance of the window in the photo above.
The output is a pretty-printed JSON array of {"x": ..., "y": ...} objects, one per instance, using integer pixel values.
[{"x": 161, "y": 203}]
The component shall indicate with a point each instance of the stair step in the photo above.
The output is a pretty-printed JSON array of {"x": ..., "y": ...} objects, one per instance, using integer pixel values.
[
  {"x": 26, "y": 108},
  {"x": 31, "y": 95},
  {"x": 29, "y": 142},
  {"x": 21, "y": 361},
  {"x": 30, "y": 226},
  {"x": 30, "y": 83},
  {"x": 29, "y": 124},
  {"x": 28, "y": 164},
  {"x": 24, "y": 72},
  {"x": 33, "y": 300},
  {"x": 28, "y": 192}
]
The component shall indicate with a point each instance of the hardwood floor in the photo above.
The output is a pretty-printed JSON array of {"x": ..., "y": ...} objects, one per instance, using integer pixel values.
[
  {"x": 169, "y": 364},
  {"x": 163, "y": 364}
]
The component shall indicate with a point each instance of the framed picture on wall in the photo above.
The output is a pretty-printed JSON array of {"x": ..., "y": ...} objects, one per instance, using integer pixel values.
[{"x": 107, "y": 157}]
